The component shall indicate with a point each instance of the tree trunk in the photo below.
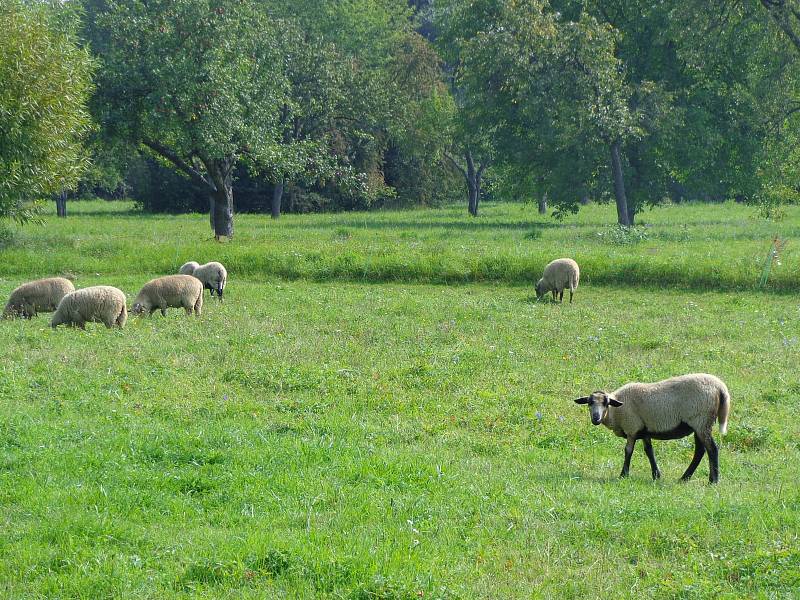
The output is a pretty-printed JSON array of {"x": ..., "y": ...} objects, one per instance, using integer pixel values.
[
  {"x": 61, "y": 204},
  {"x": 623, "y": 216},
  {"x": 211, "y": 210},
  {"x": 543, "y": 204},
  {"x": 631, "y": 215},
  {"x": 223, "y": 211},
  {"x": 478, "y": 190},
  {"x": 277, "y": 196},
  {"x": 472, "y": 184}
]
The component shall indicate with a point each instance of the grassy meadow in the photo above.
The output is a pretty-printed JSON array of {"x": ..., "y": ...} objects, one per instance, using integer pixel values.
[{"x": 381, "y": 410}]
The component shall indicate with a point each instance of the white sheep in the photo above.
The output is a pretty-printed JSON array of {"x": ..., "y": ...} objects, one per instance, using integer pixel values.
[
  {"x": 100, "y": 303},
  {"x": 188, "y": 268},
  {"x": 172, "y": 291},
  {"x": 561, "y": 274},
  {"x": 666, "y": 410},
  {"x": 213, "y": 275},
  {"x": 42, "y": 295}
]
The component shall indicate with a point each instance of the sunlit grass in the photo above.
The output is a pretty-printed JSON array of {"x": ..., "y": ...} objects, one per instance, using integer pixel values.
[
  {"x": 346, "y": 439},
  {"x": 688, "y": 246}
]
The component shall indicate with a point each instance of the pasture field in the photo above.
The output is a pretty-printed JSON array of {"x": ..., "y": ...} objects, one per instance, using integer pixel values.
[{"x": 351, "y": 423}]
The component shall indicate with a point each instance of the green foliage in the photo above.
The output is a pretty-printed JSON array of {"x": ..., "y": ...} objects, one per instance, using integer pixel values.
[
  {"x": 334, "y": 439},
  {"x": 44, "y": 86},
  {"x": 299, "y": 93}
]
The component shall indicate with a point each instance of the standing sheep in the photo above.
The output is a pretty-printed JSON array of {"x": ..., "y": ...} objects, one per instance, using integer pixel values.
[
  {"x": 100, "y": 303},
  {"x": 172, "y": 291},
  {"x": 561, "y": 274},
  {"x": 666, "y": 410},
  {"x": 42, "y": 295},
  {"x": 213, "y": 275}
]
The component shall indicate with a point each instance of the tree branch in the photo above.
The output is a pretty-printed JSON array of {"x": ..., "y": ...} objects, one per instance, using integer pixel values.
[
  {"x": 180, "y": 163},
  {"x": 452, "y": 160}
]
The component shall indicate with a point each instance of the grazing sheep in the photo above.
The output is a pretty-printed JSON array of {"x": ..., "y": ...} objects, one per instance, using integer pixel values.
[
  {"x": 213, "y": 276},
  {"x": 666, "y": 410},
  {"x": 100, "y": 303},
  {"x": 188, "y": 268},
  {"x": 42, "y": 295},
  {"x": 561, "y": 274},
  {"x": 172, "y": 291}
]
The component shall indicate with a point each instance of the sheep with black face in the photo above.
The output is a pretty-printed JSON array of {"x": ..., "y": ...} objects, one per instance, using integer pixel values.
[{"x": 666, "y": 410}]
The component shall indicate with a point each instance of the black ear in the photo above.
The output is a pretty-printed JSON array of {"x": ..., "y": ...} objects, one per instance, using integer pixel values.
[
  {"x": 613, "y": 401},
  {"x": 584, "y": 400}
]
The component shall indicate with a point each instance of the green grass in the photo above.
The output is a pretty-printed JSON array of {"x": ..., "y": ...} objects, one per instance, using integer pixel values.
[
  {"x": 322, "y": 435},
  {"x": 684, "y": 247}
]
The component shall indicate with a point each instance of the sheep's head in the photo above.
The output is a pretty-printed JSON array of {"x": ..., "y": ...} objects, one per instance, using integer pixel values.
[
  {"x": 598, "y": 405},
  {"x": 540, "y": 291},
  {"x": 138, "y": 309}
]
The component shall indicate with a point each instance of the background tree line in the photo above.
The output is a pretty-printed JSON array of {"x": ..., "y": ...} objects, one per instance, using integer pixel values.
[{"x": 302, "y": 105}]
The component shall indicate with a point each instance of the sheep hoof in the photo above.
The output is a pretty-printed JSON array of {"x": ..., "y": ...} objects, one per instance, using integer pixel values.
[{"x": 656, "y": 475}]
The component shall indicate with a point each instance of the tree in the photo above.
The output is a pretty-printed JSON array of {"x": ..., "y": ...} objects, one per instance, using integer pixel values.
[
  {"x": 197, "y": 83},
  {"x": 365, "y": 91},
  {"x": 553, "y": 95},
  {"x": 45, "y": 81},
  {"x": 471, "y": 150}
]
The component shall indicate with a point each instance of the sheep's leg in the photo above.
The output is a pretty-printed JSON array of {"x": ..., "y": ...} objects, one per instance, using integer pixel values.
[
  {"x": 163, "y": 311},
  {"x": 626, "y": 466},
  {"x": 570, "y": 296},
  {"x": 713, "y": 456},
  {"x": 561, "y": 296},
  {"x": 699, "y": 451},
  {"x": 555, "y": 295},
  {"x": 648, "y": 449}
]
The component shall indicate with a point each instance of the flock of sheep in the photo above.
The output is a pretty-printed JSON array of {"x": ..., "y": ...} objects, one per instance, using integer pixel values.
[
  {"x": 669, "y": 409},
  {"x": 108, "y": 305}
]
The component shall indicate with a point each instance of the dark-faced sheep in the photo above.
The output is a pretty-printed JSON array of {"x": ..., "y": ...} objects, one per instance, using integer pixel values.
[
  {"x": 42, "y": 295},
  {"x": 559, "y": 275},
  {"x": 172, "y": 291},
  {"x": 666, "y": 410},
  {"x": 100, "y": 303}
]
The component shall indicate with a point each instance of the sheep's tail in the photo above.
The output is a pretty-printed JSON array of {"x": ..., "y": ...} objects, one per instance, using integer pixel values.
[{"x": 723, "y": 409}]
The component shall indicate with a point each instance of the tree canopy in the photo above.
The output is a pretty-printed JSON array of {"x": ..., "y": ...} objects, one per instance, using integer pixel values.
[
  {"x": 45, "y": 81},
  {"x": 311, "y": 105}
]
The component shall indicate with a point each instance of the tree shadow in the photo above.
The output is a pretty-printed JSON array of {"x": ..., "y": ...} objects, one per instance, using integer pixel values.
[{"x": 535, "y": 228}]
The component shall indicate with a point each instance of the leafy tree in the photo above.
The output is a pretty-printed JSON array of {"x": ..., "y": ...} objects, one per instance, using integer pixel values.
[
  {"x": 553, "y": 96},
  {"x": 45, "y": 80},
  {"x": 368, "y": 86},
  {"x": 196, "y": 83},
  {"x": 471, "y": 138}
]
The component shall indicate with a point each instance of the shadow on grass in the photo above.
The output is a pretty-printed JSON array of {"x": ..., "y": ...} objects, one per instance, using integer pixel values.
[{"x": 457, "y": 225}]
